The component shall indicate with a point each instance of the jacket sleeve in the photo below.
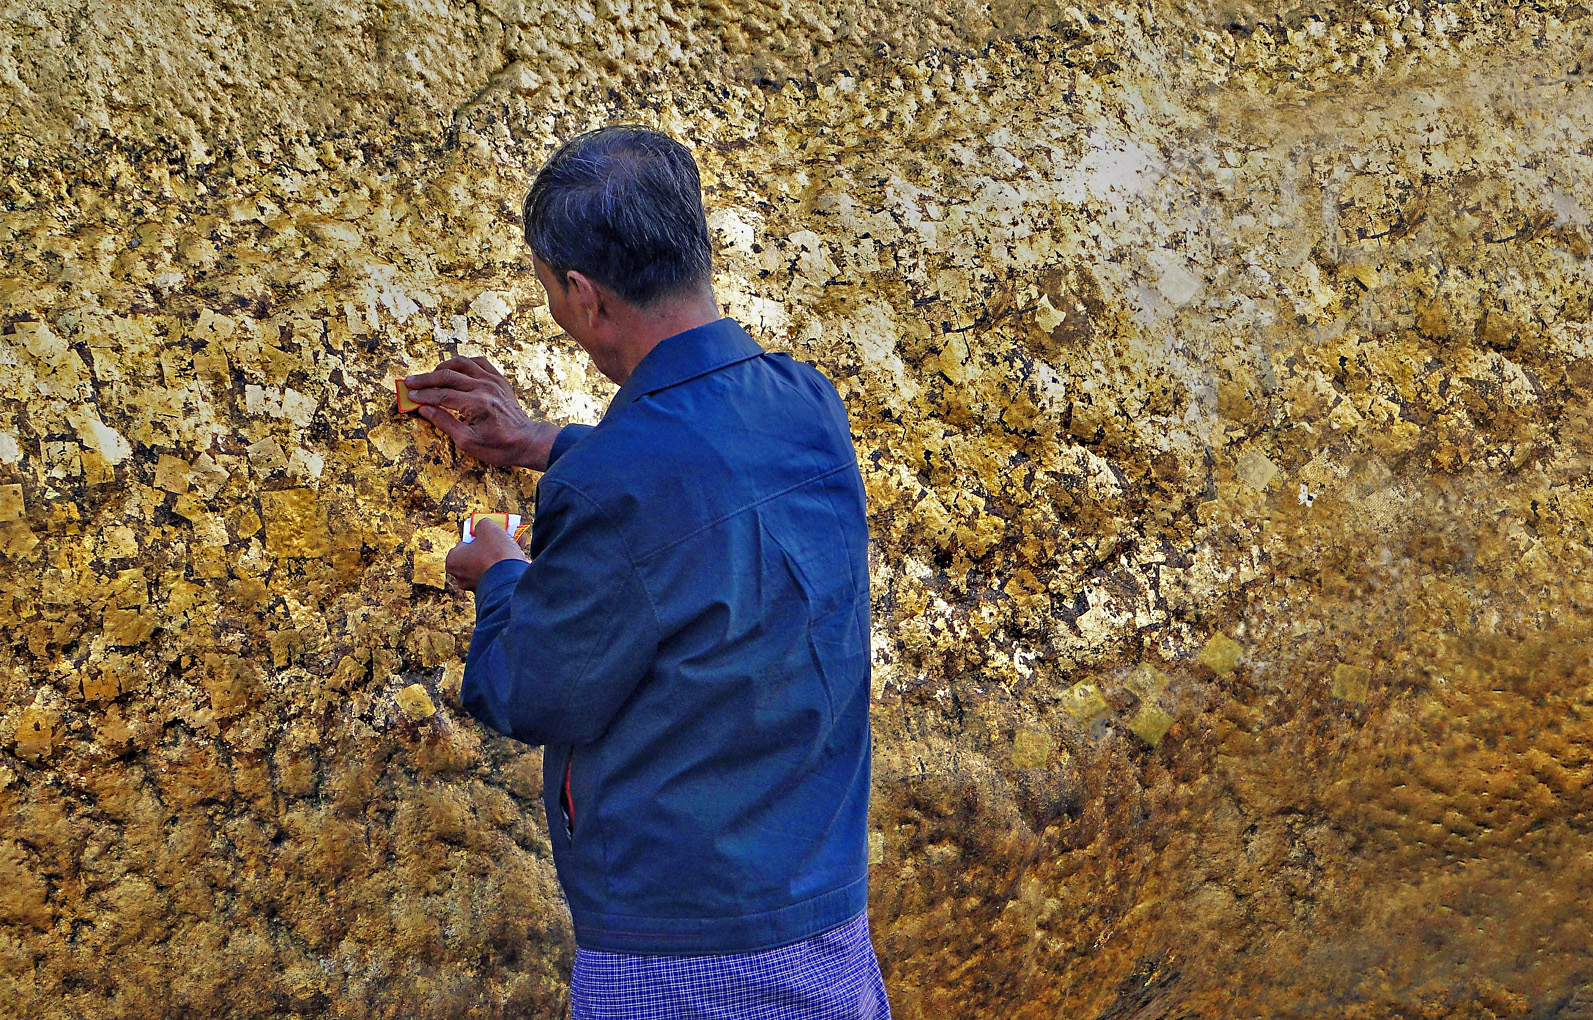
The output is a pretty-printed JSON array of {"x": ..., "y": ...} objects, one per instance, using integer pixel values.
[
  {"x": 562, "y": 641},
  {"x": 568, "y": 436}
]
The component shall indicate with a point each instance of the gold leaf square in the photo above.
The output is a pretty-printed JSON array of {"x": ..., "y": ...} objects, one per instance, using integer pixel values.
[
  {"x": 1150, "y": 724},
  {"x": 1146, "y": 682},
  {"x": 1031, "y": 749},
  {"x": 1083, "y": 701},
  {"x": 295, "y": 524},
  {"x": 432, "y": 546},
  {"x": 1350, "y": 682},
  {"x": 1221, "y": 653}
]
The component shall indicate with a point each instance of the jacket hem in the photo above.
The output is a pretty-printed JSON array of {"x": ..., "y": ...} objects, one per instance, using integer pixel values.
[{"x": 705, "y": 936}]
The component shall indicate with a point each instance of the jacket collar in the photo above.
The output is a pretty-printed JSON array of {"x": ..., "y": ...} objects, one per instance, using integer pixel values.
[{"x": 685, "y": 356}]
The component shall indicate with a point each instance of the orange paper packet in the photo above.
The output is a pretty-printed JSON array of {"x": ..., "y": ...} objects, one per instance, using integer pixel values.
[{"x": 508, "y": 522}]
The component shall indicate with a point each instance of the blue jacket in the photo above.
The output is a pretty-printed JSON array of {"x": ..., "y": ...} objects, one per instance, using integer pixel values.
[{"x": 690, "y": 642}]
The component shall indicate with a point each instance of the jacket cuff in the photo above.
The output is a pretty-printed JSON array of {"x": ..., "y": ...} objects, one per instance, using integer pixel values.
[
  {"x": 496, "y": 584},
  {"x": 568, "y": 436}
]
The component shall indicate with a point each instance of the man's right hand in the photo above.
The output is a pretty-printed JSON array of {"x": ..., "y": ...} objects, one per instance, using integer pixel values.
[{"x": 490, "y": 424}]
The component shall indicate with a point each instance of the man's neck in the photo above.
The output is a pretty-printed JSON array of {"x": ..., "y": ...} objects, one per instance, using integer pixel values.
[{"x": 645, "y": 328}]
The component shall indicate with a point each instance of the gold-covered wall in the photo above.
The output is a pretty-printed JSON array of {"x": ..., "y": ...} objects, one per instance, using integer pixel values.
[{"x": 1221, "y": 375}]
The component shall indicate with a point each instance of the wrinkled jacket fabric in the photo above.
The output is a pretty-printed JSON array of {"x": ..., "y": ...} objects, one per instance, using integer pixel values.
[{"x": 690, "y": 642}]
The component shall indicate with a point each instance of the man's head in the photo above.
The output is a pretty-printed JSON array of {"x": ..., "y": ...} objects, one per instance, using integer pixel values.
[
  {"x": 623, "y": 207},
  {"x": 620, "y": 243}
]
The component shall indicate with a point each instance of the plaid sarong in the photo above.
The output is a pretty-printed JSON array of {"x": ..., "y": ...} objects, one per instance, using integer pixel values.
[{"x": 831, "y": 976}]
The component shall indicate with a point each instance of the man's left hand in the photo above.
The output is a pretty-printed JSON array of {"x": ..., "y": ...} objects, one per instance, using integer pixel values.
[{"x": 466, "y": 563}]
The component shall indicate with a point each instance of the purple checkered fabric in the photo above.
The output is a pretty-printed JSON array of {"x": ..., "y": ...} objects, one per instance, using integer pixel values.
[{"x": 831, "y": 976}]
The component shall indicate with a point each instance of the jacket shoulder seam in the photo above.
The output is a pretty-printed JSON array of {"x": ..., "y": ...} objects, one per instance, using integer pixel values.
[
  {"x": 743, "y": 509},
  {"x": 625, "y": 546}
]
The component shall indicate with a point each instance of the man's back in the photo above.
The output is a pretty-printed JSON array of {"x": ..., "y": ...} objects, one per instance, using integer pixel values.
[{"x": 691, "y": 642}]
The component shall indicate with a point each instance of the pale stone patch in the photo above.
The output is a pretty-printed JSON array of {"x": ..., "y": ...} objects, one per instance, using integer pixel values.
[
  {"x": 118, "y": 542},
  {"x": 1046, "y": 315},
  {"x": 210, "y": 532},
  {"x": 455, "y": 331},
  {"x": 208, "y": 476},
  {"x": 298, "y": 407},
  {"x": 99, "y": 437},
  {"x": 733, "y": 228},
  {"x": 306, "y": 464},
  {"x": 267, "y": 457},
  {"x": 491, "y": 307}
]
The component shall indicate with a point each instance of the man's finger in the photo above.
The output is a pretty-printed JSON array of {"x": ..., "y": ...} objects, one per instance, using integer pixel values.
[
  {"x": 487, "y": 365},
  {"x": 456, "y": 399},
  {"x": 455, "y": 566},
  {"x": 494, "y": 544},
  {"x": 468, "y": 366},
  {"x": 442, "y": 378},
  {"x": 450, "y": 426}
]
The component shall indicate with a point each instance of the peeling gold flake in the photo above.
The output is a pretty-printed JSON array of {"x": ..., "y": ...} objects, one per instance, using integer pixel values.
[
  {"x": 101, "y": 684},
  {"x": 17, "y": 540},
  {"x": 171, "y": 474},
  {"x": 208, "y": 561},
  {"x": 245, "y": 524},
  {"x": 36, "y": 735},
  {"x": 416, "y": 703},
  {"x": 11, "y": 506},
  {"x": 390, "y": 439},
  {"x": 128, "y": 627},
  {"x": 438, "y": 481},
  {"x": 1147, "y": 682}
]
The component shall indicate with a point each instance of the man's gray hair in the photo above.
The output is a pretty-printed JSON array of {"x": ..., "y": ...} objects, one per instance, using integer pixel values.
[{"x": 623, "y": 206}]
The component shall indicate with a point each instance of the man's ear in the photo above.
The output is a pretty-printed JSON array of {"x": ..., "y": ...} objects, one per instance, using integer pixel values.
[{"x": 587, "y": 297}]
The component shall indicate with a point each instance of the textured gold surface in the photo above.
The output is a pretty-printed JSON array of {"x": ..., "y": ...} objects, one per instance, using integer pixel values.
[{"x": 1221, "y": 380}]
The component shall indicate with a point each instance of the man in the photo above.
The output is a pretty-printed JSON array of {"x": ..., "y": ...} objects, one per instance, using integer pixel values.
[{"x": 689, "y": 638}]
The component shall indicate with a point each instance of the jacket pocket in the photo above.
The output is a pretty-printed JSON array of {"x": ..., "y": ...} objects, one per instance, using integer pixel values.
[{"x": 566, "y": 804}]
